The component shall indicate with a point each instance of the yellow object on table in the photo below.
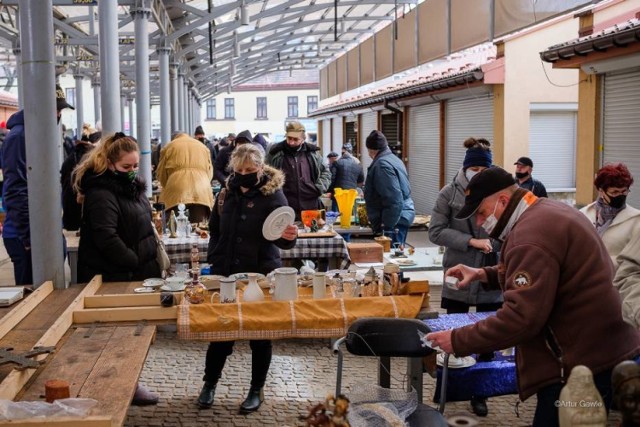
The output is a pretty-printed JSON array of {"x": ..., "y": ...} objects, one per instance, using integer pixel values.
[
  {"x": 345, "y": 200},
  {"x": 303, "y": 318}
]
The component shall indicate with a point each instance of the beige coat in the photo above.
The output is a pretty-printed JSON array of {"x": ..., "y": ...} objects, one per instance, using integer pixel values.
[{"x": 185, "y": 173}]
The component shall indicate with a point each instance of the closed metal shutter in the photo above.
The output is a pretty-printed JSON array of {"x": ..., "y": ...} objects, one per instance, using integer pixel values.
[
  {"x": 326, "y": 137},
  {"x": 369, "y": 123},
  {"x": 336, "y": 145},
  {"x": 552, "y": 147},
  {"x": 465, "y": 118},
  {"x": 621, "y": 124},
  {"x": 424, "y": 156}
]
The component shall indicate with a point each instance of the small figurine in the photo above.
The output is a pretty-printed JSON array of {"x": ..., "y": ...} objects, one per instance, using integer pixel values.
[
  {"x": 625, "y": 382},
  {"x": 314, "y": 226},
  {"x": 173, "y": 225},
  {"x": 580, "y": 403}
]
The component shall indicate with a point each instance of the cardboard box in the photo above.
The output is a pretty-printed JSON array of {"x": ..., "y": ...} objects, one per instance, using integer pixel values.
[{"x": 365, "y": 252}]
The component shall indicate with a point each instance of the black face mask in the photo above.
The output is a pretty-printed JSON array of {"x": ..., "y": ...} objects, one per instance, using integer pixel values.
[
  {"x": 618, "y": 201},
  {"x": 521, "y": 175},
  {"x": 244, "y": 180}
]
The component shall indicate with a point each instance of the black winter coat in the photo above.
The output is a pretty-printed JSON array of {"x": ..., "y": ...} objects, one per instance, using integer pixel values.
[
  {"x": 71, "y": 209},
  {"x": 116, "y": 237},
  {"x": 237, "y": 244}
]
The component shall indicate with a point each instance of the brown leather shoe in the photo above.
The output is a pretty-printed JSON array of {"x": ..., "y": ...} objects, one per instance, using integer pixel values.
[{"x": 144, "y": 397}]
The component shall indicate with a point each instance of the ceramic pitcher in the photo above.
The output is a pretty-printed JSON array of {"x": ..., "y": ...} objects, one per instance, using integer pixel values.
[{"x": 286, "y": 284}]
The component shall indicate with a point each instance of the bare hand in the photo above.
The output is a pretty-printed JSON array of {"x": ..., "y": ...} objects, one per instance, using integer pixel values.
[
  {"x": 466, "y": 274},
  {"x": 483, "y": 245},
  {"x": 442, "y": 340},
  {"x": 290, "y": 233}
]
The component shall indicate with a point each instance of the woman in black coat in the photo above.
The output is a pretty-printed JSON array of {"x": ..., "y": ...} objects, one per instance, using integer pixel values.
[
  {"x": 116, "y": 236},
  {"x": 237, "y": 245}
]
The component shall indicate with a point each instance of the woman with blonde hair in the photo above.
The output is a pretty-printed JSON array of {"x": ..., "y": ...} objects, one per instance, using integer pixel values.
[{"x": 116, "y": 235}]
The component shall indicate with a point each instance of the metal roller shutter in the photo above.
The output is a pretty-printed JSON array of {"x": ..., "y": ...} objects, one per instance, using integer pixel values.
[
  {"x": 326, "y": 137},
  {"x": 621, "y": 124},
  {"x": 424, "y": 156},
  {"x": 465, "y": 118},
  {"x": 552, "y": 147},
  {"x": 369, "y": 123},
  {"x": 337, "y": 142}
]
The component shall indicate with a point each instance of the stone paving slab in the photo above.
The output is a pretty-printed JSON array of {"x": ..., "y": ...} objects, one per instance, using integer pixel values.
[{"x": 302, "y": 373}]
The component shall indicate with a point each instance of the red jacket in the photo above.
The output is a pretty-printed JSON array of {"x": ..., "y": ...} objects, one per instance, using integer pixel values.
[{"x": 560, "y": 308}]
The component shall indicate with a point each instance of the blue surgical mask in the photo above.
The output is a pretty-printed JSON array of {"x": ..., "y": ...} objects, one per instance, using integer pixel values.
[{"x": 490, "y": 223}]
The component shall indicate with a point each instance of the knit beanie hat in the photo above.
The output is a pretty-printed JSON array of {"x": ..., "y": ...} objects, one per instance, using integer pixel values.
[
  {"x": 376, "y": 141},
  {"x": 477, "y": 156},
  {"x": 199, "y": 131}
]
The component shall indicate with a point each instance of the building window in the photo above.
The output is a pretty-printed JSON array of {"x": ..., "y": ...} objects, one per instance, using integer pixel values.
[
  {"x": 261, "y": 107},
  {"x": 211, "y": 109},
  {"x": 292, "y": 106},
  {"x": 312, "y": 103},
  {"x": 229, "y": 108},
  {"x": 71, "y": 95}
]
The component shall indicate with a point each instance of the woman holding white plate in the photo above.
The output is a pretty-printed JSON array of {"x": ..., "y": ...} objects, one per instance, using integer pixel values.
[{"x": 240, "y": 242}]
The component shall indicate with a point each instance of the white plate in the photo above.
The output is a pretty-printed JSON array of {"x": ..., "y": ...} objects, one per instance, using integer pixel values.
[
  {"x": 456, "y": 362},
  {"x": 153, "y": 283},
  {"x": 404, "y": 261},
  {"x": 277, "y": 221},
  {"x": 168, "y": 289},
  {"x": 143, "y": 290}
]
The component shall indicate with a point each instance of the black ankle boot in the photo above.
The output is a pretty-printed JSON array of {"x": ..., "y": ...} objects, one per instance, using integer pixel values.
[
  {"x": 479, "y": 406},
  {"x": 253, "y": 401},
  {"x": 205, "y": 400}
]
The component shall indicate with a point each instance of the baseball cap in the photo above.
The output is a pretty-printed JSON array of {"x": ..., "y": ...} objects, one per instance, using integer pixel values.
[
  {"x": 61, "y": 100},
  {"x": 483, "y": 185},
  {"x": 524, "y": 161},
  {"x": 295, "y": 129}
]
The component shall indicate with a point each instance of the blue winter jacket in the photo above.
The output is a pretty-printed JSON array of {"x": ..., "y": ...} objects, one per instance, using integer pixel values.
[
  {"x": 15, "y": 197},
  {"x": 387, "y": 193}
]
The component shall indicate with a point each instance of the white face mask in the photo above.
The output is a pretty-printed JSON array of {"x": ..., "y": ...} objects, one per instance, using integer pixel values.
[
  {"x": 490, "y": 223},
  {"x": 470, "y": 174}
]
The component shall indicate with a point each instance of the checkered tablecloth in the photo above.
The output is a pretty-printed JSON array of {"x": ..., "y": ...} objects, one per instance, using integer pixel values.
[
  {"x": 319, "y": 247},
  {"x": 179, "y": 249}
]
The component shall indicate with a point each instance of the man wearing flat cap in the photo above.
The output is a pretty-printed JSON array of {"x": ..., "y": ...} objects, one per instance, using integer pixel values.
[
  {"x": 16, "y": 232},
  {"x": 387, "y": 191},
  {"x": 560, "y": 308},
  {"x": 524, "y": 168},
  {"x": 306, "y": 175}
]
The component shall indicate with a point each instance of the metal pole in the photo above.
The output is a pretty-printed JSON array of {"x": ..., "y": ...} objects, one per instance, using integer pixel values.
[
  {"x": 79, "y": 104},
  {"x": 175, "y": 115},
  {"x": 123, "y": 103},
  {"x": 132, "y": 128},
  {"x": 17, "y": 52},
  {"x": 95, "y": 84},
  {"x": 165, "y": 96},
  {"x": 43, "y": 179},
  {"x": 143, "y": 98},
  {"x": 181, "y": 120},
  {"x": 189, "y": 111},
  {"x": 109, "y": 65},
  {"x": 185, "y": 106}
]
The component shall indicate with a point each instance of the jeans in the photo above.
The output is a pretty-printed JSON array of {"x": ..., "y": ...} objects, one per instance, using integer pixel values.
[
  {"x": 21, "y": 259},
  {"x": 218, "y": 352},
  {"x": 546, "y": 414}
]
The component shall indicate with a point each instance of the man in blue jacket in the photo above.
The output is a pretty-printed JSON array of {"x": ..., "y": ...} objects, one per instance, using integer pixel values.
[
  {"x": 15, "y": 198},
  {"x": 387, "y": 191}
]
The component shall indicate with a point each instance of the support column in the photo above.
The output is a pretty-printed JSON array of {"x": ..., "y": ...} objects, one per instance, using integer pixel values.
[
  {"x": 185, "y": 106},
  {"x": 17, "y": 52},
  {"x": 190, "y": 112},
  {"x": 79, "y": 104},
  {"x": 43, "y": 179},
  {"x": 123, "y": 103},
  {"x": 95, "y": 84},
  {"x": 588, "y": 141},
  {"x": 133, "y": 131},
  {"x": 175, "y": 119},
  {"x": 143, "y": 98},
  {"x": 181, "y": 96},
  {"x": 109, "y": 65},
  {"x": 165, "y": 96}
]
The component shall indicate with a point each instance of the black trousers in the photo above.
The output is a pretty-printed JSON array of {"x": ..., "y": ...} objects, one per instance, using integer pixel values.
[{"x": 218, "y": 352}]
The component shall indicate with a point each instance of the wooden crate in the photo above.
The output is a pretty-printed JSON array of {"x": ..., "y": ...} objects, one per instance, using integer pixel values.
[{"x": 365, "y": 252}]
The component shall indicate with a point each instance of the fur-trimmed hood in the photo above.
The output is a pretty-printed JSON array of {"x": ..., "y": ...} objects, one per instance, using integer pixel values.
[
  {"x": 108, "y": 180},
  {"x": 272, "y": 181}
]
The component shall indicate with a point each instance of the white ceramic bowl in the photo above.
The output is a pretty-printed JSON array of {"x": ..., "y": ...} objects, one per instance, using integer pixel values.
[{"x": 175, "y": 283}]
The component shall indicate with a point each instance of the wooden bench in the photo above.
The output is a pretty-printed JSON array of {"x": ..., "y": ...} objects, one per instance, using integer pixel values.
[{"x": 102, "y": 362}]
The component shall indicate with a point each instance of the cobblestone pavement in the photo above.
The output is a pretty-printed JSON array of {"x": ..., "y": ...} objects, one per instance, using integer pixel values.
[{"x": 302, "y": 373}]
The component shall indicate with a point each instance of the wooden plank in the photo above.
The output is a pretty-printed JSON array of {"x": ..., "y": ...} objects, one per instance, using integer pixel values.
[
  {"x": 120, "y": 314},
  {"x": 122, "y": 300},
  {"x": 72, "y": 363},
  {"x": 12, "y": 384},
  {"x": 113, "y": 381},
  {"x": 24, "y": 307},
  {"x": 92, "y": 421}
]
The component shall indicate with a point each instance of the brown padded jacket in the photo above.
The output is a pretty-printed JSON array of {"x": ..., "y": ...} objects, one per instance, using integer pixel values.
[{"x": 560, "y": 308}]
